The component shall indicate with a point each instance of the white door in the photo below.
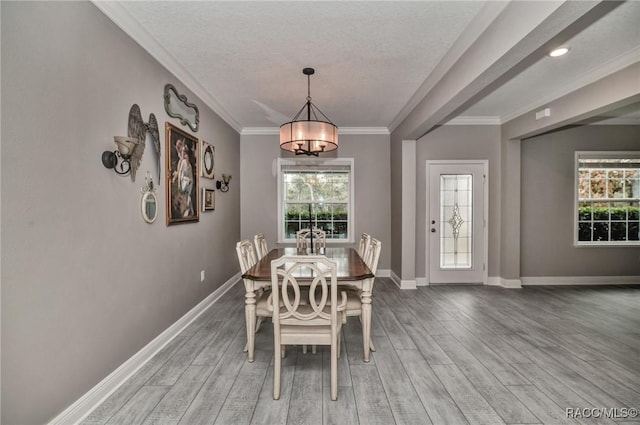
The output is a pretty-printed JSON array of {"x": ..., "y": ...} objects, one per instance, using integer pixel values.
[{"x": 456, "y": 221}]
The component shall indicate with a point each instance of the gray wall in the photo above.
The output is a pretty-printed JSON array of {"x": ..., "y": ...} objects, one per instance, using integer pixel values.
[
  {"x": 86, "y": 283},
  {"x": 451, "y": 142},
  {"x": 547, "y": 216},
  {"x": 372, "y": 192},
  {"x": 396, "y": 205}
]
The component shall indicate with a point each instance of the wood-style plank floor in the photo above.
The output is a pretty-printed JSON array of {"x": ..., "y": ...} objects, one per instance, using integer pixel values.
[{"x": 444, "y": 355}]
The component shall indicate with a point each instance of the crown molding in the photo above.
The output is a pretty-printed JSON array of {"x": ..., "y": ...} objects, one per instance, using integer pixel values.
[
  {"x": 364, "y": 130},
  {"x": 470, "y": 120},
  {"x": 614, "y": 65},
  {"x": 127, "y": 23},
  {"x": 270, "y": 131},
  {"x": 260, "y": 131}
]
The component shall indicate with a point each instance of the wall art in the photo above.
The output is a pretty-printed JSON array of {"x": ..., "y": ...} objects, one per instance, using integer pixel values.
[
  {"x": 208, "y": 199},
  {"x": 208, "y": 156},
  {"x": 182, "y": 176}
]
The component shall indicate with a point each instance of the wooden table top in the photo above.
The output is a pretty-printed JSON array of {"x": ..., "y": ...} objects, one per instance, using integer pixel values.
[{"x": 350, "y": 265}]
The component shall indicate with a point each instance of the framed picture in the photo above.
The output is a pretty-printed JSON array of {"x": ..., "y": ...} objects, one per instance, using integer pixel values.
[
  {"x": 207, "y": 157},
  {"x": 182, "y": 176},
  {"x": 208, "y": 199}
]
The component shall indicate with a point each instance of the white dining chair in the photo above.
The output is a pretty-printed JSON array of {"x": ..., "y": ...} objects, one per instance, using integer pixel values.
[
  {"x": 365, "y": 239},
  {"x": 261, "y": 245},
  {"x": 302, "y": 317},
  {"x": 359, "y": 301},
  {"x": 303, "y": 239},
  {"x": 256, "y": 302},
  {"x": 319, "y": 239}
]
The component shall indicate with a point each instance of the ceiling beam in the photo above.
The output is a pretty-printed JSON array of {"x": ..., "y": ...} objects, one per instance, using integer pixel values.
[
  {"x": 614, "y": 92},
  {"x": 520, "y": 35}
]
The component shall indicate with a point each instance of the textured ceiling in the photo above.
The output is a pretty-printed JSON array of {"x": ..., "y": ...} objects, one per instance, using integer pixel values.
[{"x": 246, "y": 58}]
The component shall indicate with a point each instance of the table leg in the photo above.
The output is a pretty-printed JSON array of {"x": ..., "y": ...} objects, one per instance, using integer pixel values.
[
  {"x": 250, "y": 317},
  {"x": 365, "y": 298}
]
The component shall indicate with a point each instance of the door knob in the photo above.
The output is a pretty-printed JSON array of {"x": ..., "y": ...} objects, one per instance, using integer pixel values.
[
  {"x": 433, "y": 222},
  {"x": 433, "y": 230}
]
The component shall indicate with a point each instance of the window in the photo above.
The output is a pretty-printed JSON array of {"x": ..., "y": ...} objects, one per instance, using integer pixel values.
[
  {"x": 608, "y": 198},
  {"x": 324, "y": 187}
]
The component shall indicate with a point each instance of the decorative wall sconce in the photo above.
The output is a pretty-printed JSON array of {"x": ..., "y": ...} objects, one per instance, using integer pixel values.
[
  {"x": 120, "y": 159},
  {"x": 127, "y": 157},
  {"x": 223, "y": 186}
]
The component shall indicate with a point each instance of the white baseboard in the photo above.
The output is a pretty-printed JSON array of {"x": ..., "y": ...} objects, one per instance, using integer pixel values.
[
  {"x": 580, "y": 280},
  {"x": 494, "y": 281},
  {"x": 403, "y": 284},
  {"x": 491, "y": 281},
  {"x": 394, "y": 277},
  {"x": 96, "y": 395},
  {"x": 562, "y": 280},
  {"x": 505, "y": 283},
  {"x": 383, "y": 273}
]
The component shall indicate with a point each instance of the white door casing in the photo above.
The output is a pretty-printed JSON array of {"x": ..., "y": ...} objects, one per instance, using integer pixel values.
[{"x": 457, "y": 234}]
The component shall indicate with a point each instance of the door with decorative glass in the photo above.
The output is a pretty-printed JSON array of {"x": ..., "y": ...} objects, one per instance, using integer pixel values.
[{"x": 456, "y": 221}]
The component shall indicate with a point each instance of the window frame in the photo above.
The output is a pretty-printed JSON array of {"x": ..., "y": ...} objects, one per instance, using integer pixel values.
[
  {"x": 576, "y": 197},
  {"x": 312, "y": 163}
]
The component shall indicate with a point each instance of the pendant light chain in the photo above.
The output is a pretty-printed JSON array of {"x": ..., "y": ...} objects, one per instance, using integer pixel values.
[{"x": 308, "y": 97}]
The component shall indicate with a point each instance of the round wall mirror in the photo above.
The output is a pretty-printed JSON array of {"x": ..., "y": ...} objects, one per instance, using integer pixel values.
[{"x": 149, "y": 206}]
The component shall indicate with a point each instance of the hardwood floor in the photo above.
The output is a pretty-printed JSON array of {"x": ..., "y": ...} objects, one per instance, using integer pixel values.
[{"x": 444, "y": 355}]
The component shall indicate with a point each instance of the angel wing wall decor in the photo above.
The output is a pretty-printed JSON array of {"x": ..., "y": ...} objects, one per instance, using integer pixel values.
[
  {"x": 152, "y": 128},
  {"x": 138, "y": 130},
  {"x": 128, "y": 156}
]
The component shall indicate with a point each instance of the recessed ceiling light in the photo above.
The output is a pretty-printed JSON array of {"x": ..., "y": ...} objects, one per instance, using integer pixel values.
[{"x": 560, "y": 51}]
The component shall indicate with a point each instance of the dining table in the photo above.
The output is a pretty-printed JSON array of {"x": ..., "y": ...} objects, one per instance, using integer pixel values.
[{"x": 351, "y": 270}]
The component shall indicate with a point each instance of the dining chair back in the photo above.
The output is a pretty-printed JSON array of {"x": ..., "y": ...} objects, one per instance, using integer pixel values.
[
  {"x": 359, "y": 302},
  {"x": 365, "y": 239},
  {"x": 256, "y": 302},
  {"x": 372, "y": 254},
  {"x": 246, "y": 256},
  {"x": 306, "y": 314},
  {"x": 319, "y": 239},
  {"x": 261, "y": 245},
  {"x": 303, "y": 239}
]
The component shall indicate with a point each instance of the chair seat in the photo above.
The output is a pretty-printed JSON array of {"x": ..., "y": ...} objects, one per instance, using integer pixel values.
[
  {"x": 304, "y": 329},
  {"x": 354, "y": 305},
  {"x": 263, "y": 304},
  {"x": 309, "y": 335}
]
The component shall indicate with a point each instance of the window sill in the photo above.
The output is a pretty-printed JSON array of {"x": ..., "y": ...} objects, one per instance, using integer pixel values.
[
  {"x": 329, "y": 241},
  {"x": 633, "y": 244}
]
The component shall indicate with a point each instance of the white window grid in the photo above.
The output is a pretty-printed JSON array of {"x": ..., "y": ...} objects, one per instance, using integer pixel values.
[
  {"x": 605, "y": 230},
  {"x": 327, "y": 166}
]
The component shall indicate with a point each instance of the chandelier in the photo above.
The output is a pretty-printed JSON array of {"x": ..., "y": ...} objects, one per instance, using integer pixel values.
[{"x": 310, "y": 132}]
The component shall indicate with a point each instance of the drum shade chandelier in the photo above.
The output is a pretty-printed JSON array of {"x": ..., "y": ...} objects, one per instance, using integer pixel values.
[{"x": 310, "y": 136}]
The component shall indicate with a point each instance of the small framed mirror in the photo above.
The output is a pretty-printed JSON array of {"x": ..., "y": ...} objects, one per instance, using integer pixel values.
[
  {"x": 149, "y": 201},
  {"x": 149, "y": 207},
  {"x": 177, "y": 106}
]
